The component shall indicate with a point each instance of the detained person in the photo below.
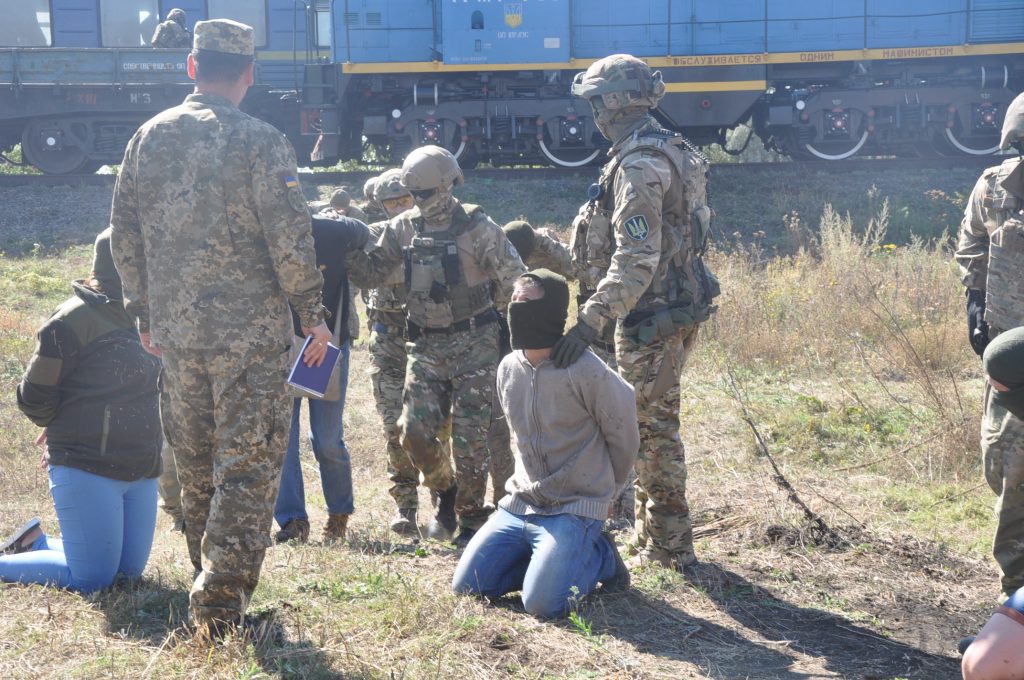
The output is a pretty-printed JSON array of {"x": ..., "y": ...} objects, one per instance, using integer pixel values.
[
  {"x": 94, "y": 388},
  {"x": 575, "y": 439}
]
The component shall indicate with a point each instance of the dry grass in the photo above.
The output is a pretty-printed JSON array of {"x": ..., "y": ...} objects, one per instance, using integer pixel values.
[{"x": 852, "y": 357}]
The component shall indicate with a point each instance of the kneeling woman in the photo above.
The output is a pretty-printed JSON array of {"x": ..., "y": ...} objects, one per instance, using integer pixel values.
[{"x": 94, "y": 389}]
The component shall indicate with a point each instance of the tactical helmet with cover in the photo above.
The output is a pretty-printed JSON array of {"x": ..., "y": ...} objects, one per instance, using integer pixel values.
[
  {"x": 622, "y": 81},
  {"x": 1013, "y": 125},
  {"x": 368, "y": 188},
  {"x": 430, "y": 173},
  {"x": 389, "y": 193},
  {"x": 176, "y": 15}
]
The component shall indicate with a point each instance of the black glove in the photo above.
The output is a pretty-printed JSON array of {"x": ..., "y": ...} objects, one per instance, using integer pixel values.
[
  {"x": 504, "y": 337},
  {"x": 571, "y": 346},
  {"x": 977, "y": 329}
]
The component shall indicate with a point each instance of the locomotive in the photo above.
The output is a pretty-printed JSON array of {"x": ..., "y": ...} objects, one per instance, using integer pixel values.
[{"x": 490, "y": 79}]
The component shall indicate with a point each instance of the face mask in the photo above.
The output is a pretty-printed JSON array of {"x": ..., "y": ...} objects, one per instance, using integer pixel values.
[
  {"x": 438, "y": 204},
  {"x": 615, "y": 124},
  {"x": 538, "y": 324}
]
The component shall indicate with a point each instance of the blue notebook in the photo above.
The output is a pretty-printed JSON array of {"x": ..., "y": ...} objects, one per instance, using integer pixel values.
[{"x": 314, "y": 379}]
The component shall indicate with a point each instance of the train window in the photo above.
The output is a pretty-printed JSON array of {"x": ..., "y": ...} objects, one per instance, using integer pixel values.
[
  {"x": 128, "y": 23},
  {"x": 26, "y": 24},
  {"x": 323, "y": 25},
  {"x": 250, "y": 12},
  {"x": 476, "y": 21}
]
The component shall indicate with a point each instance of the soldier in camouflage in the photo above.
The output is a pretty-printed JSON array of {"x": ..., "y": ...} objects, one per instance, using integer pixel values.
[
  {"x": 991, "y": 258},
  {"x": 385, "y": 307},
  {"x": 212, "y": 237},
  {"x": 638, "y": 244},
  {"x": 458, "y": 266},
  {"x": 173, "y": 32}
]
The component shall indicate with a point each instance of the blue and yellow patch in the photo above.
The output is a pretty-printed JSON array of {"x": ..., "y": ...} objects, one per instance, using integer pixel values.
[
  {"x": 290, "y": 182},
  {"x": 636, "y": 227}
]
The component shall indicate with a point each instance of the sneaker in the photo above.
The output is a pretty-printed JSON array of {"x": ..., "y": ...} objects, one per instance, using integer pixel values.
[
  {"x": 444, "y": 523},
  {"x": 464, "y": 537},
  {"x": 22, "y": 539},
  {"x": 296, "y": 529},
  {"x": 619, "y": 581},
  {"x": 334, "y": 530},
  {"x": 404, "y": 522},
  {"x": 964, "y": 644}
]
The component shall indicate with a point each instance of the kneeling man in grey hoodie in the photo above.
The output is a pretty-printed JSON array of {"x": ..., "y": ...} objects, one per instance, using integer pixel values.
[{"x": 575, "y": 439}]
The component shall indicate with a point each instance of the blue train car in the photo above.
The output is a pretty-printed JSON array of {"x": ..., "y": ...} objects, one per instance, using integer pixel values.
[
  {"x": 77, "y": 77},
  {"x": 490, "y": 78}
]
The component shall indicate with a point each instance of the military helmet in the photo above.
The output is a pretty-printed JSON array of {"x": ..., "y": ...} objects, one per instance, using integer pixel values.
[
  {"x": 389, "y": 185},
  {"x": 176, "y": 15},
  {"x": 622, "y": 80},
  {"x": 368, "y": 188},
  {"x": 431, "y": 167},
  {"x": 340, "y": 199},
  {"x": 1013, "y": 123}
]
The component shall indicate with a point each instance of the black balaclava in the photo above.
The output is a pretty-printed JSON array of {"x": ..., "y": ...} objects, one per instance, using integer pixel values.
[
  {"x": 521, "y": 235},
  {"x": 538, "y": 324},
  {"x": 103, "y": 269},
  {"x": 1004, "y": 363}
]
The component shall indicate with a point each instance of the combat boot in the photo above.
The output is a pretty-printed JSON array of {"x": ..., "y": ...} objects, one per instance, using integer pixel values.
[
  {"x": 444, "y": 523},
  {"x": 464, "y": 537},
  {"x": 404, "y": 522},
  {"x": 295, "y": 530},
  {"x": 334, "y": 530}
]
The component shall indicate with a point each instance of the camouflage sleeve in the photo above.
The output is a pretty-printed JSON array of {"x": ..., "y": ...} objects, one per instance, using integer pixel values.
[
  {"x": 550, "y": 253},
  {"x": 371, "y": 267},
  {"x": 972, "y": 247},
  {"x": 498, "y": 257},
  {"x": 640, "y": 185},
  {"x": 286, "y": 223},
  {"x": 126, "y": 242}
]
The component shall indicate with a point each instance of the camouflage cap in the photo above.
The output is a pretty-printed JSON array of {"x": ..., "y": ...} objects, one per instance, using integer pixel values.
[
  {"x": 225, "y": 36},
  {"x": 340, "y": 199},
  {"x": 1013, "y": 123}
]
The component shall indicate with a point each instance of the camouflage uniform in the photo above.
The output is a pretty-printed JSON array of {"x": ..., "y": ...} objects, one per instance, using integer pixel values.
[
  {"x": 637, "y": 244},
  {"x": 991, "y": 258},
  {"x": 172, "y": 33},
  {"x": 212, "y": 237},
  {"x": 450, "y": 369}
]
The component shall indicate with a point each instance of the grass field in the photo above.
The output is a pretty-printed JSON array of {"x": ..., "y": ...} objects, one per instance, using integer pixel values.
[{"x": 843, "y": 337}]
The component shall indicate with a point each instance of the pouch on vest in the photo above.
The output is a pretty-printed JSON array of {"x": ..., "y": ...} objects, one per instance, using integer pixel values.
[
  {"x": 649, "y": 325},
  {"x": 1004, "y": 289}
]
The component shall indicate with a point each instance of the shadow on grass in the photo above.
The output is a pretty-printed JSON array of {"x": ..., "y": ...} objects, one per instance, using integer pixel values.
[
  {"x": 154, "y": 613},
  {"x": 843, "y": 647}
]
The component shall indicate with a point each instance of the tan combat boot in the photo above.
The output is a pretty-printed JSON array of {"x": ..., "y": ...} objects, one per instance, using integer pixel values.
[{"x": 334, "y": 530}]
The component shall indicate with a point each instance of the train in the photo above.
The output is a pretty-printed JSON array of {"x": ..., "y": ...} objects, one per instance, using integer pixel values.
[{"x": 368, "y": 80}]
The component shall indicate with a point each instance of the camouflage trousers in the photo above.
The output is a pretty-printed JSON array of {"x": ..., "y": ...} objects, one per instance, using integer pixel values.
[
  {"x": 227, "y": 415},
  {"x": 1002, "y": 447},
  {"x": 452, "y": 376},
  {"x": 168, "y": 486},
  {"x": 662, "y": 514}
]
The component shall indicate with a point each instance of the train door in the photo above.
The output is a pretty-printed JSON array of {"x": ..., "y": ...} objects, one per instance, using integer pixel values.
[{"x": 505, "y": 32}]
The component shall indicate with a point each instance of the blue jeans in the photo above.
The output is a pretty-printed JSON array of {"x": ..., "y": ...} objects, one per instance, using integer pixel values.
[
  {"x": 553, "y": 559},
  {"x": 106, "y": 528},
  {"x": 327, "y": 435}
]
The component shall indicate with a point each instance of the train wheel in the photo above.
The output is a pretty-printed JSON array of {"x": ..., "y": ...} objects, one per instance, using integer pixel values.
[
  {"x": 36, "y": 143},
  {"x": 569, "y": 158},
  {"x": 971, "y": 146},
  {"x": 836, "y": 151}
]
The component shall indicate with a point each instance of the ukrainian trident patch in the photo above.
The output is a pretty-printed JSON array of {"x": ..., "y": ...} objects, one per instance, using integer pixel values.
[{"x": 637, "y": 228}]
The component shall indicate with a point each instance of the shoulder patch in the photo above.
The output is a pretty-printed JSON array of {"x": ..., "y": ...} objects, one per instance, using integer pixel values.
[
  {"x": 295, "y": 198},
  {"x": 637, "y": 228}
]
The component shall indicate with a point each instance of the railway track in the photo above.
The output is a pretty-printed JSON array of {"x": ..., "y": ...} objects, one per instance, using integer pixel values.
[{"x": 357, "y": 177}]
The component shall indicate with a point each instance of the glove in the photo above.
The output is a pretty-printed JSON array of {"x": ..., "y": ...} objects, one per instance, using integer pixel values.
[
  {"x": 977, "y": 329},
  {"x": 504, "y": 337},
  {"x": 571, "y": 346}
]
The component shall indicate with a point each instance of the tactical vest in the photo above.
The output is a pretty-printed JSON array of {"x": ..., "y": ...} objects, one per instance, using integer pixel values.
[
  {"x": 1004, "y": 287},
  {"x": 439, "y": 293},
  {"x": 682, "y": 282}
]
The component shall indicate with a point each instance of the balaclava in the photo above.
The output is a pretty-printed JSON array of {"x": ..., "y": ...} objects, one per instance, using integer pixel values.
[
  {"x": 1004, "y": 362},
  {"x": 521, "y": 235},
  {"x": 616, "y": 124},
  {"x": 538, "y": 324},
  {"x": 103, "y": 269}
]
